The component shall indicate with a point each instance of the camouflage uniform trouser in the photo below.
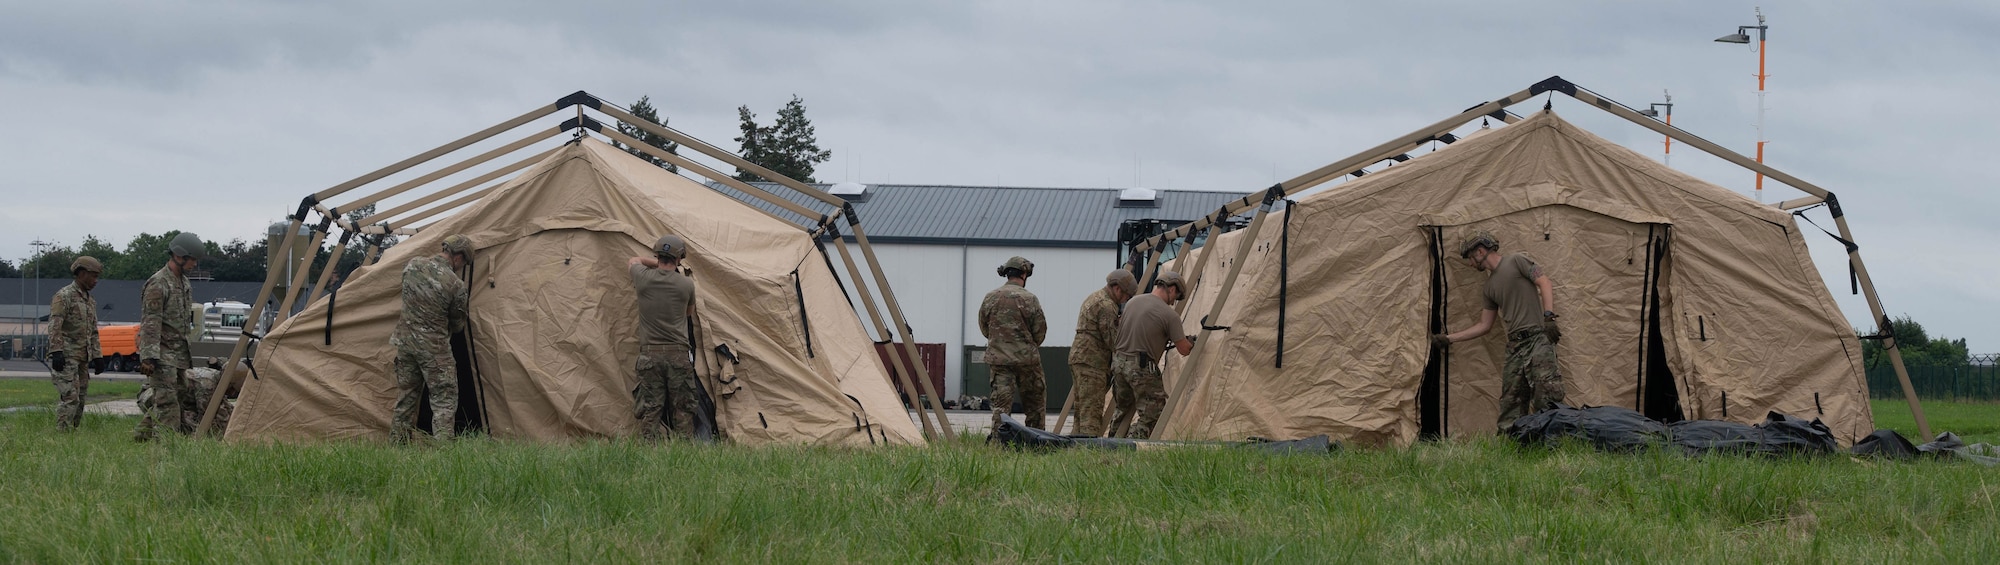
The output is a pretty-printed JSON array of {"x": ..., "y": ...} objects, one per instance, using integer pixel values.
[
  {"x": 201, "y": 381},
  {"x": 1140, "y": 393},
  {"x": 1530, "y": 381},
  {"x": 665, "y": 402},
  {"x": 415, "y": 371},
  {"x": 72, "y": 384},
  {"x": 1025, "y": 381},
  {"x": 1091, "y": 382},
  {"x": 164, "y": 400}
]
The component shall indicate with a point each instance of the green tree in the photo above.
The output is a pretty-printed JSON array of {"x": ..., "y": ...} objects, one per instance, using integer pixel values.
[
  {"x": 8, "y": 271},
  {"x": 143, "y": 256},
  {"x": 787, "y": 147},
  {"x": 104, "y": 252},
  {"x": 52, "y": 263},
  {"x": 643, "y": 109},
  {"x": 751, "y": 143},
  {"x": 238, "y": 261},
  {"x": 1919, "y": 349}
]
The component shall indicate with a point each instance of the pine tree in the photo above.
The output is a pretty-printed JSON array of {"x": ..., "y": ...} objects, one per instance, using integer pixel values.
[
  {"x": 643, "y": 109},
  {"x": 751, "y": 142},
  {"x": 787, "y": 146}
]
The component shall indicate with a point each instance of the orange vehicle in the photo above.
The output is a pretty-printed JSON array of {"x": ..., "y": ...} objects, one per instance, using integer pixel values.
[{"x": 121, "y": 347}]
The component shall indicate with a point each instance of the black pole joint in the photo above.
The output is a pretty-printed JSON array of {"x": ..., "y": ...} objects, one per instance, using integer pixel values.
[
  {"x": 346, "y": 236},
  {"x": 585, "y": 122},
  {"x": 847, "y": 209},
  {"x": 1555, "y": 83},
  {"x": 1833, "y": 205},
  {"x": 579, "y": 98},
  {"x": 305, "y": 205}
]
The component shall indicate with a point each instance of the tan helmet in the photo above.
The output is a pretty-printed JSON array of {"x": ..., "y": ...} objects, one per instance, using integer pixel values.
[
  {"x": 670, "y": 245},
  {"x": 1478, "y": 239},
  {"x": 1026, "y": 267},
  {"x": 86, "y": 263},
  {"x": 1167, "y": 278},
  {"x": 188, "y": 245},
  {"x": 1124, "y": 280},
  {"x": 458, "y": 243}
]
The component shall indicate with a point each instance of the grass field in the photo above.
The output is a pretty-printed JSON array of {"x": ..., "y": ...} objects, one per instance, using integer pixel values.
[
  {"x": 94, "y": 496},
  {"x": 1977, "y": 422},
  {"x": 40, "y": 392}
]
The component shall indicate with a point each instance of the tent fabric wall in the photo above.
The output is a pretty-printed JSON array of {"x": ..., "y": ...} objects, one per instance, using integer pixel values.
[
  {"x": 553, "y": 319},
  {"x": 1743, "y": 309}
]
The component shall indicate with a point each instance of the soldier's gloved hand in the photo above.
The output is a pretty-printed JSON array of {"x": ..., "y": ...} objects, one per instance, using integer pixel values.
[
  {"x": 98, "y": 367},
  {"x": 1549, "y": 329},
  {"x": 1190, "y": 339},
  {"x": 58, "y": 361},
  {"x": 147, "y": 366},
  {"x": 1440, "y": 340}
]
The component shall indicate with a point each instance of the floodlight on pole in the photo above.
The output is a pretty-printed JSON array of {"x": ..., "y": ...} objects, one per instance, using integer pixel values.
[
  {"x": 1657, "y": 110},
  {"x": 1742, "y": 37}
]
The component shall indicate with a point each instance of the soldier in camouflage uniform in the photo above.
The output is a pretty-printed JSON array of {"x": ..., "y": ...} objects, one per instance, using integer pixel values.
[
  {"x": 1011, "y": 319},
  {"x": 665, "y": 400},
  {"x": 203, "y": 380},
  {"x": 1148, "y": 326},
  {"x": 434, "y": 308},
  {"x": 1518, "y": 292},
  {"x": 73, "y": 340},
  {"x": 1090, "y": 352},
  {"x": 166, "y": 316}
]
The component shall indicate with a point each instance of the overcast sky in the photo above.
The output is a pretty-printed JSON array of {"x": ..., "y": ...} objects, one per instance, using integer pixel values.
[{"x": 217, "y": 117}]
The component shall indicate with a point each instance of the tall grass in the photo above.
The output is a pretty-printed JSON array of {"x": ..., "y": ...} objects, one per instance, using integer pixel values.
[
  {"x": 1976, "y": 422},
  {"x": 94, "y": 496}
]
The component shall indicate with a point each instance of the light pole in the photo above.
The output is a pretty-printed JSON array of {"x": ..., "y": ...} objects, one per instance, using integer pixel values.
[
  {"x": 1742, "y": 36},
  {"x": 41, "y": 251},
  {"x": 1657, "y": 109}
]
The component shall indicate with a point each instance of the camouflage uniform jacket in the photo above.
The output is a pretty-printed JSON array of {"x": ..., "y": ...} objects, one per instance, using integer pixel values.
[
  {"x": 166, "y": 315},
  {"x": 1096, "y": 330},
  {"x": 434, "y": 301},
  {"x": 73, "y": 324},
  {"x": 1011, "y": 319}
]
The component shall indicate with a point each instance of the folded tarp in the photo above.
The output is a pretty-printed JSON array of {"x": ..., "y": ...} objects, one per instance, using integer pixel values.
[
  {"x": 1013, "y": 434},
  {"x": 1611, "y": 428}
]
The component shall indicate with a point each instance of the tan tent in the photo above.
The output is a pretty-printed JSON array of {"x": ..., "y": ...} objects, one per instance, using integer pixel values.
[
  {"x": 553, "y": 319},
  {"x": 1361, "y": 273}
]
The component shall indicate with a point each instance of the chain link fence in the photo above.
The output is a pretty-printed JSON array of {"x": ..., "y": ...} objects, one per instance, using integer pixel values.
[{"x": 1978, "y": 379}]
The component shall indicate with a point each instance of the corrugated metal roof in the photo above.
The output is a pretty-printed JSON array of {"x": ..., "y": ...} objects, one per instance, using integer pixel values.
[{"x": 997, "y": 215}]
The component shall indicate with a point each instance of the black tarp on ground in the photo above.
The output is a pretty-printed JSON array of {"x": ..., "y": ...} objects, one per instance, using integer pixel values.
[
  {"x": 1609, "y": 428},
  {"x": 1778, "y": 435},
  {"x": 1885, "y": 443},
  {"x": 1013, "y": 434}
]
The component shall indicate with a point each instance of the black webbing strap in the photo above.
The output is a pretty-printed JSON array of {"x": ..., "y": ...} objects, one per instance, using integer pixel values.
[
  {"x": 1284, "y": 277},
  {"x": 837, "y": 281},
  {"x": 1885, "y": 333},
  {"x": 1205, "y": 326},
  {"x": 805, "y": 322},
  {"x": 1646, "y": 281},
  {"x": 332, "y": 298},
  {"x": 1833, "y": 206}
]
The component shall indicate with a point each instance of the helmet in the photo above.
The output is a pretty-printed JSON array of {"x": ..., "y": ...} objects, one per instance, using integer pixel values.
[
  {"x": 1168, "y": 278},
  {"x": 1124, "y": 280},
  {"x": 188, "y": 245},
  {"x": 670, "y": 245},
  {"x": 1019, "y": 263},
  {"x": 87, "y": 263},
  {"x": 1478, "y": 239},
  {"x": 458, "y": 243}
]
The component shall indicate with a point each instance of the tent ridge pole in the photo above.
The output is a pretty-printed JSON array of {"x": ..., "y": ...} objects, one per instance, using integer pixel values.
[{"x": 455, "y": 145}]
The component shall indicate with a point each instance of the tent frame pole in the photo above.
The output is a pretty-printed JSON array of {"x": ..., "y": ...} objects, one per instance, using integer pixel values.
[
  {"x": 1184, "y": 382},
  {"x": 899, "y": 366},
  {"x": 272, "y": 271},
  {"x": 896, "y": 315}
]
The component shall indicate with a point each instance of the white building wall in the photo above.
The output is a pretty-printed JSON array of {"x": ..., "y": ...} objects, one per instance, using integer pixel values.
[{"x": 940, "y": 288}]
